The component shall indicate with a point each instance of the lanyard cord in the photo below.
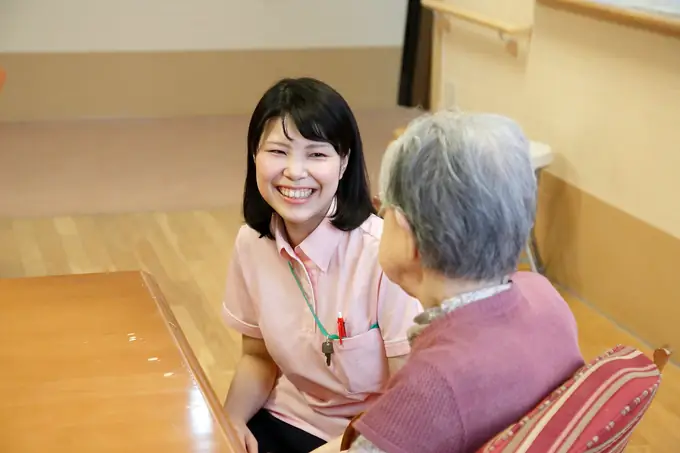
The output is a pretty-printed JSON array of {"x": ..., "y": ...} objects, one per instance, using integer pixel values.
[{"x": 309, "y": 305}]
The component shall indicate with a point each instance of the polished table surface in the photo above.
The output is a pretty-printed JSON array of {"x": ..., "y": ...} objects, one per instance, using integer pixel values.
[{"x": 97, "y": 363}]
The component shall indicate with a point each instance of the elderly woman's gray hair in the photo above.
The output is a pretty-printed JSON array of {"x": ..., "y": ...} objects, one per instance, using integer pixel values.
[{"x": 465, "y": 184}]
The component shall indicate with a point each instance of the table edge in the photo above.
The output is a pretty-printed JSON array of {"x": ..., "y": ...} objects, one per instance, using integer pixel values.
[{"x": 192, "y": 361}]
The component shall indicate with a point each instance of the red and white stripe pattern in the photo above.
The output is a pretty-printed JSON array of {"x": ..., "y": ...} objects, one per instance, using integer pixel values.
[{"x": 595, "y": 411}]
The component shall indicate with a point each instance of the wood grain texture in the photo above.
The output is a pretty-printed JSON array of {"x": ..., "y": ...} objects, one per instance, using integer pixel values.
[
  {"x": 187, "y": 253},
  {"x": 97, "y": 362}
]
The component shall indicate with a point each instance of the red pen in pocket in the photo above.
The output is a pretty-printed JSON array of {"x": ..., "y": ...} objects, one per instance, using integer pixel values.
[{"x": 341, "y": 328}]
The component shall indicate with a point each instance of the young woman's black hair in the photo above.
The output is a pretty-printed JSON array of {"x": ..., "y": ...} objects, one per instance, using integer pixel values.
[{"x": 320, "y": 114}]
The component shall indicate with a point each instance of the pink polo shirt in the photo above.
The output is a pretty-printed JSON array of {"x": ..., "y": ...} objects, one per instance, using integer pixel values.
[{"x": 339, "y": 271}]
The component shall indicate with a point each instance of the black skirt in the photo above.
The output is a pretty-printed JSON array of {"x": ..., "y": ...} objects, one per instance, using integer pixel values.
[{"x": 276, "y": 436}]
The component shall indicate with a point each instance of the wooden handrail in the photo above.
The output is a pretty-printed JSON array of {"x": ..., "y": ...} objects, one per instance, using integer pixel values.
[
  {"x": 474, "y": 18},
  {"x": 443, "y": 12}
]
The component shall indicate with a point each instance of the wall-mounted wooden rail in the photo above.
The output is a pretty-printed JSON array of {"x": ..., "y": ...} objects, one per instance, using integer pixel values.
[
  {"x": 443, "y": 13},
  {"x": 502, "y": 28}
]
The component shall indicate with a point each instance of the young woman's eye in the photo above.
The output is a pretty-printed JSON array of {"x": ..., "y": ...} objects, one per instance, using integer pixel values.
[
  {"x": 276, "y": 151},
  {"x": 317, "y": 155}
]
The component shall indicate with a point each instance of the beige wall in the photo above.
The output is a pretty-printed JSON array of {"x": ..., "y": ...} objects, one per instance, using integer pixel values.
[
  {"x": 73, "y": 59},
  {"x": 157, "y": 25},
  {"x": 607, "y": 99},
  {"x": 64, "y": 86}
]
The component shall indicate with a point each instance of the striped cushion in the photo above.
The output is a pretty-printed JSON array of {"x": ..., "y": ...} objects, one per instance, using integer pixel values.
[{"x": 594, "y": 411}]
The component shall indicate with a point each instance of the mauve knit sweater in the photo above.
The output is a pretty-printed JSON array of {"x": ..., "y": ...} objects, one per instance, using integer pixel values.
[{"x": 476, "y": 370}]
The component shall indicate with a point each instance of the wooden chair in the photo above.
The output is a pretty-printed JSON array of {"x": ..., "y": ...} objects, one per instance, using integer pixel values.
[
  {"x": 610, "y": 420},
  {"x": 661, "y": 357},
  {"x": 597, "y": 409}
]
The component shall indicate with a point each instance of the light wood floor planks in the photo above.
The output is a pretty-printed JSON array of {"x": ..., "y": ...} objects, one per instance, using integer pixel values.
[{"x": 187, "y": 254}]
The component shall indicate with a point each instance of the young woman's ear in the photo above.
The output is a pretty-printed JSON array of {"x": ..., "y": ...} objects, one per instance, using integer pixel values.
[{"x": 343, "y": 164}]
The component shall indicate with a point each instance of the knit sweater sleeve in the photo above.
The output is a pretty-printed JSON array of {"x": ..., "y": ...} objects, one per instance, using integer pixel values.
[{"x": 418, "y": 412}]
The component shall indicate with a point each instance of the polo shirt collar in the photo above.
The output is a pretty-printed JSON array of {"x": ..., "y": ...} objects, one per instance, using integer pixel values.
[{"x": 319, "y": 246}]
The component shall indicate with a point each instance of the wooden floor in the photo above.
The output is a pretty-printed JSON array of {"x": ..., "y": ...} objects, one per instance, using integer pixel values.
[{"x": 187, "y": 253}]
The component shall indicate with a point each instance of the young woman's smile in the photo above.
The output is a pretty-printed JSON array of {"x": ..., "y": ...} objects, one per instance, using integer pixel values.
[{"x": 295, "y": 195}]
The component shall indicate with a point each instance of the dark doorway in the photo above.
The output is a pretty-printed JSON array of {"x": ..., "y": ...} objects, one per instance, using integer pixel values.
[{"x": 414, "y": 82}]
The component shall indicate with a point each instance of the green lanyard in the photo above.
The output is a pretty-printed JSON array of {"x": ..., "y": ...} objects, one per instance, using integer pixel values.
[{"x": 316, "y": 318}]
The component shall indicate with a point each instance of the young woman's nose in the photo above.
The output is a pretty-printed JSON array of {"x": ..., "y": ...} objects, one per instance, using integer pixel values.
[{"x": 296, "y": 168}]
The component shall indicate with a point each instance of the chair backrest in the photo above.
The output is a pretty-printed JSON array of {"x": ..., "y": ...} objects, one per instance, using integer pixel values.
[{"x": 595, "y": 410}]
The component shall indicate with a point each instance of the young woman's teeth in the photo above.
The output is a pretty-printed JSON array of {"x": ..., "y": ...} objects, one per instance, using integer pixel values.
[{"x": 295, "y": 193}]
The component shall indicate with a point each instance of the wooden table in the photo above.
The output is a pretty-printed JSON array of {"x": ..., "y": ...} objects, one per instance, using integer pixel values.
[{"x": 97, "y": 363}]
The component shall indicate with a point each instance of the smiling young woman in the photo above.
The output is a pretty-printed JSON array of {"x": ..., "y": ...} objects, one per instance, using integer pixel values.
[{"x": 322, "y": 327}]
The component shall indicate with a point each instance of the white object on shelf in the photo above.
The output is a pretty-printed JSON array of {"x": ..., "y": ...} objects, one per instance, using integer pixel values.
[{"x": 541, "y": 155}]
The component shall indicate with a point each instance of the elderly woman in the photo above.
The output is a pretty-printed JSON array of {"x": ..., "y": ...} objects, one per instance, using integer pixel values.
[{"x": 458, "y": 194}]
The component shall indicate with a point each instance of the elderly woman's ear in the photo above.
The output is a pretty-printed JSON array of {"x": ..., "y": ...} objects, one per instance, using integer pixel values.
[
  {"x": 402, "y": 221},
  {"x": 408, "y": 236}
]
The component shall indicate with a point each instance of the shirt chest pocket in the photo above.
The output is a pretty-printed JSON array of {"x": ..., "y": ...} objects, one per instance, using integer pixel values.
[{"x": 360, "y": 363}]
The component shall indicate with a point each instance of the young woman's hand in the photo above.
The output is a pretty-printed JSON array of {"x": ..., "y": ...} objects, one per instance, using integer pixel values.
[
  {"x": 253, "y": 382},
  {"x": 246, "y": 437}
]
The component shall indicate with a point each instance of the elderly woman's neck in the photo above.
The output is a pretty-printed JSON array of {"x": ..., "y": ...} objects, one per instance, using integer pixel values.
[{"x": 436, "y": 288}]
